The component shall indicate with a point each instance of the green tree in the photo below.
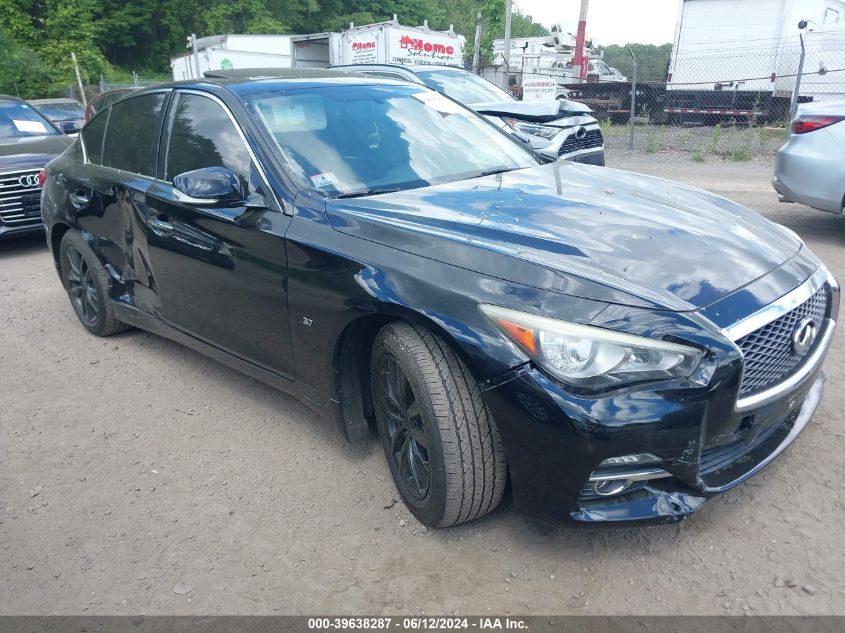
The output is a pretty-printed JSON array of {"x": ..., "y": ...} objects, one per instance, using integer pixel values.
[
  {"x": 69, "y": 26},
  {"x": 523, "y": 25},
  {"x": 114, "y": 37},
  {"x": 24, "y": 72},
  {"x": 652, "y": 61}
]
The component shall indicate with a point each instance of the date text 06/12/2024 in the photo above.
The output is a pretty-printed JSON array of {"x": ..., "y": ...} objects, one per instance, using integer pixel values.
[{"x": 416, "y": 623}]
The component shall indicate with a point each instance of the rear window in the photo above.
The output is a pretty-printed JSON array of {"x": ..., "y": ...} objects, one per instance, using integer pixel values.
[
  {"x": 20, "y": 120},
  {"x": 61, "y": 111},
  {"x": 132, "y": 134},
  {"x": 463, "y": 86}
]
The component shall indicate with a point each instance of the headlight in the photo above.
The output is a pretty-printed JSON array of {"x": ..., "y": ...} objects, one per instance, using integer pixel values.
[
  {"x": 592, "y": 357},
  {"x": 531, "y": 129}
]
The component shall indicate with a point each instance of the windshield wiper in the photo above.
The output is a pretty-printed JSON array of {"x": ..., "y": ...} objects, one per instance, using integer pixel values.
[
  {"x": 491, "y": 172},
  {"x": 367, "y": 192}
]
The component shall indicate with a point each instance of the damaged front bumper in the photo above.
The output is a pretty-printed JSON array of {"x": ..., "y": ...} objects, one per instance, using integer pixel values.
[
  {"x": 663, "y": 500},
  {"x": 555, "y": 444}
]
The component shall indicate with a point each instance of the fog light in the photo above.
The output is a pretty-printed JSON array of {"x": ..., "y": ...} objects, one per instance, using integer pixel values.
[
  {"x": 616, "y": 480},
  {"x": 610, "y": 487},
  {"x": 627, "y": 460}
]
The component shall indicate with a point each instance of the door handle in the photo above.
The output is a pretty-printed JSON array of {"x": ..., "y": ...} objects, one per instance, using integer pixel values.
[
  {"x": 79, "y": 200},
  {"x": 160, "y": 226}
]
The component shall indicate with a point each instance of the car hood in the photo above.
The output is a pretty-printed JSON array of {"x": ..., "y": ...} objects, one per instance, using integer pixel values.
[
  {"x": 597, "y": 233},
  {"x": 31, "y": 152},
  {"x": 540, "y": 112}
]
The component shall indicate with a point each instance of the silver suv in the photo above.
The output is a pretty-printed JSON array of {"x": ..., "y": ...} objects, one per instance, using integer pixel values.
[{"x": 560, "y": 129}]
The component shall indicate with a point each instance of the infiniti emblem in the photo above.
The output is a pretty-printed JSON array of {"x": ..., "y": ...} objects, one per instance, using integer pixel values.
[
  {"x": 28, "y": 181},
  {"x": 804, "y": 335},
  {"x": 580, "y": 133}
]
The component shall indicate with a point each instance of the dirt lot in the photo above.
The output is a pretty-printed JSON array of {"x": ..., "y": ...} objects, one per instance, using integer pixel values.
[{"x": 137, "y": 476}]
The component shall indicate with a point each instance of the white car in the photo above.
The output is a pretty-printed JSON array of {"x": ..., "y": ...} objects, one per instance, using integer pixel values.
[
  {"x": 810, "y": 167},
  {"x": 559, "y": 129}
]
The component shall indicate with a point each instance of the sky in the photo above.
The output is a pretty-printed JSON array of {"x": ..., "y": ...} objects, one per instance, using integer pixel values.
[{"x": 610, "y": 21}]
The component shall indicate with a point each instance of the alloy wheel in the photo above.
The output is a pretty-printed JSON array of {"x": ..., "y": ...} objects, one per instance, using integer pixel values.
[
  {"x": 80, "y": 286},
  {"x": 406, "y": 437}
]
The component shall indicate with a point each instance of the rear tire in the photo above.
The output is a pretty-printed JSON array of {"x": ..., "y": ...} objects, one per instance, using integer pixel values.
[
  {"x": 87, "y": 285},
  {"x": 441, "y": 443}
]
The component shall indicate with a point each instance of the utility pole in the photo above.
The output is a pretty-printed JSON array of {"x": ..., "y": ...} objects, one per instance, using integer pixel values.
[
  {"x": 793, "y": 106},
  {"x": 192, "y": 44},
  {"x": 580, "y": 37},
  {"x": 633, "y": 99},
  {"x": 508, "y": 8},
  {"x": 79, "y": 80},
  {"x": 196, "y": 54},
  {"x": 476, "y": 47}
]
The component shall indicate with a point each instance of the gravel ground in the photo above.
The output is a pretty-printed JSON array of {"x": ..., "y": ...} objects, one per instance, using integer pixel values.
[{"x": 137, "y": 476}]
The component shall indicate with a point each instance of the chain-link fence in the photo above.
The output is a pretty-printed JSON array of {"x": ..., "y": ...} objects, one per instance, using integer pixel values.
[
  {"x": 732, "y": 102},
  {"x": 105, "y": 84}
]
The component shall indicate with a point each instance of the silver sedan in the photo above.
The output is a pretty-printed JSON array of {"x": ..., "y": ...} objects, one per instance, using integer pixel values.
[{"x": 810, "y": 167}]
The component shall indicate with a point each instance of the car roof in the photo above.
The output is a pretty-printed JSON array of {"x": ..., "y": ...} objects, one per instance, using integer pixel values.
[
  {"x": 53, "y": 101},
  {"x": 275, "y": 73},
  {"x": 255, "y": 80},
  {"x": 411, "y": 68},
  {"x": 10, "y": 98}
]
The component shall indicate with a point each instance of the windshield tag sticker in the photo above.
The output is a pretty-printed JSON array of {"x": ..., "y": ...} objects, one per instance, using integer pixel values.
[
  {"x": 29, "y": 126},
  {"x": 438, "y": 102},
  {"x": 326, "y": 179}
]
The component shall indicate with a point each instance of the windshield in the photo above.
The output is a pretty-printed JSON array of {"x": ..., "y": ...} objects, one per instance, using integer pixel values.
[
  {"x": 61, "y": 111},
  {"x": 463, "y": 86},
  {"x": 367, "y": 139},
  {"x": 19, "y": 120}
]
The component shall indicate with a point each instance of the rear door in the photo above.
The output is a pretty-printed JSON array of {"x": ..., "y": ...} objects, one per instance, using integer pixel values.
[
  {"x": 108, "y": 192},
  {"x": 220, "y": 271}
]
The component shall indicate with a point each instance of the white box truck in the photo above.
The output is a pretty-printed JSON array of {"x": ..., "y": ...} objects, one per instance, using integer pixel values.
[
  {"x": 382, "y": 43},
  {"x": 740, "y": 57},
  {"x": 224, "y": 52}
]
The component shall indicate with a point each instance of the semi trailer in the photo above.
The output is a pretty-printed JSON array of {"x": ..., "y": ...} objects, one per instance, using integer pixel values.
[
  {"x": 382, "y": 43},
  {"x": 735, "y": 59}
]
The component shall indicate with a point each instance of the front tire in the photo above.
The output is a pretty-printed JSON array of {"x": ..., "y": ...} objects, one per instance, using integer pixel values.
[
  {"x": 87, "y": 284},
  {"x": 441, "y": 443}
]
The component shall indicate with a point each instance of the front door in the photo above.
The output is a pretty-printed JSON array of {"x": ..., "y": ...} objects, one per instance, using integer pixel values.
[{"x": 220, "y": 270}]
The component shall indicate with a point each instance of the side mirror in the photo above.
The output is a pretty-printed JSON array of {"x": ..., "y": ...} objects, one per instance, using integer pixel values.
[
  {"x": 69, "y": 127},
  {"x": 209, "y": 185}
]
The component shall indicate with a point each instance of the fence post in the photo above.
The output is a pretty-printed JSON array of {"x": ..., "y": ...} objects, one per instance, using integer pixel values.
[
  {"x": 476, "y": 45},
  {"x": 196, "y": 54},
  {"x": 79, "y": 80},
  {"x": 633, "y": 99},
  {"x": 794, "y": 105}
]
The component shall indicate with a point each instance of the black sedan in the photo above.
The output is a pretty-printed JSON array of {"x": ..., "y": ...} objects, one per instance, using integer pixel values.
[{"x": 619, "y": 347}]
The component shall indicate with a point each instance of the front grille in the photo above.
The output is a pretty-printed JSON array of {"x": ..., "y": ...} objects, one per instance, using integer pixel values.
[
  {"x": 19, "y": 203},
  {"x": 767, "y": 351},
  {"x": 591, "y": 140}
]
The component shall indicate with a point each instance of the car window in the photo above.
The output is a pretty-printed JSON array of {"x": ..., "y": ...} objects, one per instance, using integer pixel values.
[
  {"x": 203, "y": 135},
  {"x": 359, "y": 139},
  {"x": 132, "y": 134},
  {"x": 19, "y": 120},
  {"x": 92, "y": 137},
  {"x": 61, "y": 111},
  {"x": 106, "y": 99},
  {"x": 463, "y": 86}
]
